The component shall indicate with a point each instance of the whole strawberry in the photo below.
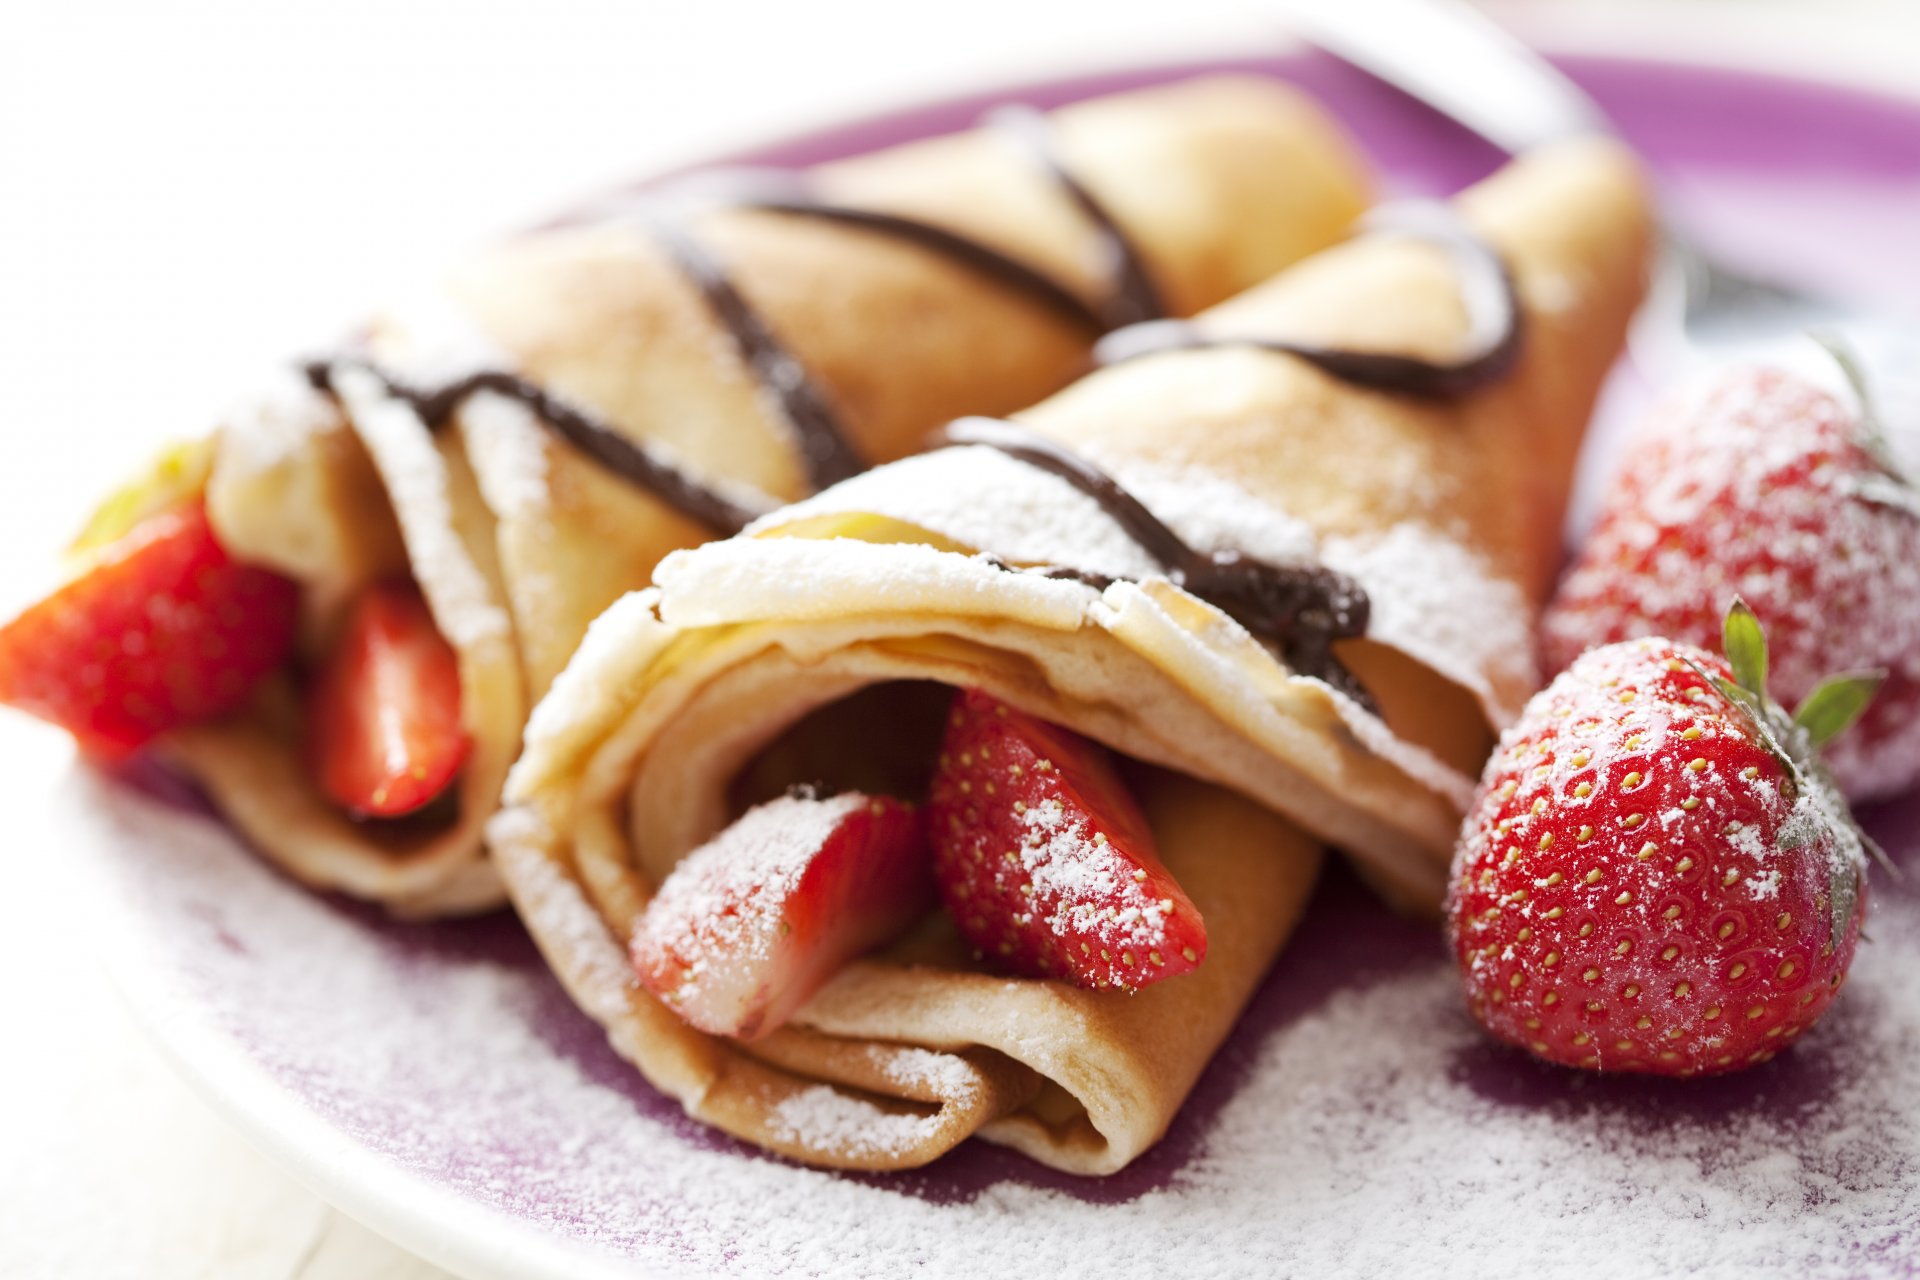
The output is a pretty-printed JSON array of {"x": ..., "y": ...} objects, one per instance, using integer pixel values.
[
  {"x": 1765, "y": 486},
  {"x": 1655, "y": 875}
]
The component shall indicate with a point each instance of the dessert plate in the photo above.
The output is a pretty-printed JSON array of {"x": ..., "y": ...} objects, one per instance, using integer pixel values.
[{"x": 435, "y": 1082}]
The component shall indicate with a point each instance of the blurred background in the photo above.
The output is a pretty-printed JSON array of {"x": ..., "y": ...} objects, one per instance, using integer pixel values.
[{"x": 189, "y": 191}]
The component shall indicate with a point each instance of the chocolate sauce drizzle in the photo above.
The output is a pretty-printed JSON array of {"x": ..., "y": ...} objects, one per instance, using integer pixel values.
[
  {"x": 826, "y": 452},
  {"x": 788, "y": 195},
  {"x": 1134, "y": 298},
  {"x": 1301, "y": 608},
  {"x": 1486, "y": 288},
  {"x": 632, "y": 462}
]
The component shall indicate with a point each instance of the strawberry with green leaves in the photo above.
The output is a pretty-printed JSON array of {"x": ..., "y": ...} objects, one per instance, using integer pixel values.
[
  {"x": 1657, "y": 875},
  {"x": 1767, "y": 487}
]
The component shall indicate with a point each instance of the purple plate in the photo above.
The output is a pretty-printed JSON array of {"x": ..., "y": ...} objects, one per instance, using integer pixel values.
[{"x": 435, "y": 1082}]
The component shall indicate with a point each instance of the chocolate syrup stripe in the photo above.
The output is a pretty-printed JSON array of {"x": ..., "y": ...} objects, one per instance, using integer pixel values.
[
  {"x": 972, "y": 254},
  {"x": 1301, "y": 608},
  {"x": 826, "y": 453},
  {"x": 825, "y": 449},
  {"x": 632, "y": 462},
  {"x": 1486, "y": 289},
  {"x": 1134, "y": 299}
]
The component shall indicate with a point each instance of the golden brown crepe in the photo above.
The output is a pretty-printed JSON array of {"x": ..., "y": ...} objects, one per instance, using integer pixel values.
[
  {"x": 518, "y": 540},
  {"x": 687, "y": 699}
]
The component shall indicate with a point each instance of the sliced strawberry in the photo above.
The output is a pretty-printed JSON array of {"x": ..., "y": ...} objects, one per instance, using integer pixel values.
[
  {"x": 384, "y": 734},
  {"x": 1045, "y": 860},
  {"x": 161, "y": 629},
  {"x": 752, "y": 922}
]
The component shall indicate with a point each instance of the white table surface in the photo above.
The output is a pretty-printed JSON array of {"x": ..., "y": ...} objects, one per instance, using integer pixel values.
[{"x": 189, "y": 191}]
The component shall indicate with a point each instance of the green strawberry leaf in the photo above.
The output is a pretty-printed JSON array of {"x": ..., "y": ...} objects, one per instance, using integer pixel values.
[
  {"x": 1836, "y": 703},
  {"x": 1746, "y": 645}
]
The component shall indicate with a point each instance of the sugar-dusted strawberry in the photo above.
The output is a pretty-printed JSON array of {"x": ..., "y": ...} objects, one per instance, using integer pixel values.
[
  {"x": 384, "y": 733},
  {"x": 160, "y": 628},
  {"x": 750, "y": 924},
  {"x": 1045, "y": 860},
  {"x": 1656, "y": 876},
  {"x": 1764, "y": 486}
]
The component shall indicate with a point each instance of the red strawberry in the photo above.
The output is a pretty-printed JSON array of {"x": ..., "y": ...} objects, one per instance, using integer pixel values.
[
  {"x": 384, "y": 734},
  {"x": 752, "y": 922},
  {"x": 161, "y": 629},
  {"x": 1654, "y": 877},
  {"x": 1046, "y": 862},
  {"x": 1767, "y": 488}
]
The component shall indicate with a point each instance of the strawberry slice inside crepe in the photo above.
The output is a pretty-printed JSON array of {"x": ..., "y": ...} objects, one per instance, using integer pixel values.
[
  {"x": 752, "y": 922},
  {"x": 160, "y": 628},
  {"x": 1045, "y": 860},
  {"x": 384, "y": 732},
  {"x": 1042, "y": 856}
]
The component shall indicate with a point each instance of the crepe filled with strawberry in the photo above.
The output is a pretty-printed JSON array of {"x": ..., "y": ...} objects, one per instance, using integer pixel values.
[
  {"x": 1270, "y": 574},
  {"x": 441, "y": 507}
]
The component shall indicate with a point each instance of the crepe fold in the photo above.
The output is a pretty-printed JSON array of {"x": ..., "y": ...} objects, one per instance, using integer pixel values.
[
  {"x": 519, "y": 539},
  {"x": 808, "y": 647}
]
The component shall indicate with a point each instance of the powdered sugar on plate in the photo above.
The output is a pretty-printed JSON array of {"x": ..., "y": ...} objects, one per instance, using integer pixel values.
[{"x": 1356, "y": 1123}]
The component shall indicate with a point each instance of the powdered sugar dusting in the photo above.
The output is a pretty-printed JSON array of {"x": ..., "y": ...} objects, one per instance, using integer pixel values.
[
  {"x": 924, "y": 1071},
  {"x": 590, "y": 690},
  {"x": 1086, "y": 886},
  {"x": 826, "y": 1119},
  {"x": 274, "y": 422},
  {"x": 567, "y": 921},
  {"x": 1362, "y": 1120},
  {"x": 720, "y": 916},
  {"x": 746, "y": 578},
  {"x": 509, "y": 455},
  {"x": 417, "y": 480},
  {"x": 1418, "y": 763},
  {"x": 986, "y": 500},
  {"x": 1432, "y": 598},
  {"x": 1439, "y": 603}
]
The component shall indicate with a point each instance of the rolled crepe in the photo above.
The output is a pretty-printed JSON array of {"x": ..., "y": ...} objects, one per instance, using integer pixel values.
[
  {"x": 519, "y": 539},
  {"x": 810, "y": 647}
]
